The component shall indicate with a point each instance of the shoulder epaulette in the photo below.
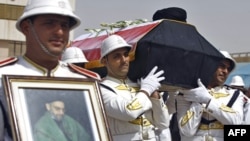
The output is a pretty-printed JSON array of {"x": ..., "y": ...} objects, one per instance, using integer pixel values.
[
  {"x": 8, "y": 61},
  {"x": 84, "y": 71}
]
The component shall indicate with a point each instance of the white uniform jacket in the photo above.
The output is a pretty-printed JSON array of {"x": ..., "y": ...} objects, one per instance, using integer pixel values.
[
  {"x": 199, "y": 122},
  {"x": 132, "y": 114},
  {"x": 24, "y": 66}
]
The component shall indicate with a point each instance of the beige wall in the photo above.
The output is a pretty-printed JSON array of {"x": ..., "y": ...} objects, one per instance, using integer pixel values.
[
  {"x": 9, "y": 31},
  {"x": 4, "y": 50},
  {"x": 11, "y": 48},
  {"x": 14, "y": 2}
]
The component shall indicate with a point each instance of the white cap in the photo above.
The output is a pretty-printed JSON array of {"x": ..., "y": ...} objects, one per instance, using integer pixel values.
[
  {"x": 73, "y": 55},
  {"x": 59, "y": 7},
  {"x": 237, "y": 81},
  {"x": 230, "y": 58},
  {"x": 112, "y": 43}
]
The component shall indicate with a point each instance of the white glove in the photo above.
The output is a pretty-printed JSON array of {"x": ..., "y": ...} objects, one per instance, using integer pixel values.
[
  {"x": 199, "y": 94},
  {"x": 152, "y": 81}
]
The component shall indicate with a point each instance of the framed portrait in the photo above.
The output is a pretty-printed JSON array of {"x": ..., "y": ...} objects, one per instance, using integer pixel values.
[{"x": 55, "y": 108}]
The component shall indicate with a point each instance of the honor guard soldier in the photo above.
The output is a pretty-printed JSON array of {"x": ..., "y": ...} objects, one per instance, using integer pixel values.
[
  {"x": 202, "y": 112},
  {"x": 136, "y": 111},
  {"x": 75, "y": 56},
  {"x": 46, "y": 25}
]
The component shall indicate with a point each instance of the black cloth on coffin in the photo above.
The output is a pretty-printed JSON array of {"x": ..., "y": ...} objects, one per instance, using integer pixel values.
[{"x": 180, "y": 51}]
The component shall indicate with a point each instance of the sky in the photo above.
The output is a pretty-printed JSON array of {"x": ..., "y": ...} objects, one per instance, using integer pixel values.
[{"x": 224, "y": 23}]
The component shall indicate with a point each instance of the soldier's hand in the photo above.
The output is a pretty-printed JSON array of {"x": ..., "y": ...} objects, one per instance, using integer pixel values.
[
  {"x": 199, "y": 94},
  {"x": 152, "y": 81}
]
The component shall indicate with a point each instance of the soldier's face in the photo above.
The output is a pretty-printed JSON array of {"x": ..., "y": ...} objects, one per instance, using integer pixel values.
[
  {"x": 117, "y": 63},
  {"x": 221, "y": 73},
  {"x": 50, "y": 30}
]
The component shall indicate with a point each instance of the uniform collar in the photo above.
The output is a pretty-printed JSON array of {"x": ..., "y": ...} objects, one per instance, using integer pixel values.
[
  {"x": 124, "y": 81},
  {"x": 45, "y": 71}
]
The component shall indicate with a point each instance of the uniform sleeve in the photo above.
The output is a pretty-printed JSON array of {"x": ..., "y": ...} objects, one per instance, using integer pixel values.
[
  {"x": 188, "y": 116},
  {"x": 225, "y": 114},
  {"x": 125, "y": 109},
  {"x": 171, "y": 102},
  {"x": 159, "y": 115}
]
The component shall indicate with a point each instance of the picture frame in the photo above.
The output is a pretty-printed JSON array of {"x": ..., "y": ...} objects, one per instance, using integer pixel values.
[{"x": 28, "y": 96}]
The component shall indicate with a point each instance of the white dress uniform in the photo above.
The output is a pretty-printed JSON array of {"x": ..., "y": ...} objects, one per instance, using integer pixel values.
[
  {"x": 199, "y": 122},
  {"x": 132, "y": 114},
  {"x": 24, "y": 66},
  {"x": 246, "y": 119}
]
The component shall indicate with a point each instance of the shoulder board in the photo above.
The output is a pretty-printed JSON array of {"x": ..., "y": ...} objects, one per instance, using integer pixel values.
[
  {"x": 84, "y": 71},
  {"x": 8, "y": 61}
]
